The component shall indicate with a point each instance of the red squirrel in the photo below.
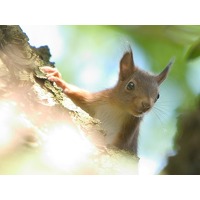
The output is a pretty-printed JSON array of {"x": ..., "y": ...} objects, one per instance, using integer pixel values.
[{"x": 121, "y": 108}]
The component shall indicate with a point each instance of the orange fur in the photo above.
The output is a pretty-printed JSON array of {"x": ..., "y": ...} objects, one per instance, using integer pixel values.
[{"x": 121, "y": 108}]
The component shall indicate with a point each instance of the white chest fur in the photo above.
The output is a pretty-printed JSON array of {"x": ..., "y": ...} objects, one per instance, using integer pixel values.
[{"x": 111, "y": 120}]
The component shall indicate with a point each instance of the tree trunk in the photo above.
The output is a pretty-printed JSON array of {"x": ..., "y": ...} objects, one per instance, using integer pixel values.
[
  {"x": 186, "y": 160},
  {"x": 42, "y": 131}
]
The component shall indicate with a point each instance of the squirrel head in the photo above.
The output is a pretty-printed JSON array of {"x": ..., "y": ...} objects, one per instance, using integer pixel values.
[{"x": 137, "y": 90}]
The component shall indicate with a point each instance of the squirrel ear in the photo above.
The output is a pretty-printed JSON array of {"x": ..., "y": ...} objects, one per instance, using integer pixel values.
[
  {"x": 163, "y": 75},
  {"x": 126, "y": 65}
]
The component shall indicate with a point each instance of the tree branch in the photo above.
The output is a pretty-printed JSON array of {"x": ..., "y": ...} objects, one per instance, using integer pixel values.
[{"x": 35, "y": 109}]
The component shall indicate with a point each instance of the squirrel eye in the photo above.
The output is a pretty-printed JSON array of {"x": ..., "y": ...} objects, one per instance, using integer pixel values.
[
  {"x": 130, "y": 86},
  {"x": 158, "y": 96}
]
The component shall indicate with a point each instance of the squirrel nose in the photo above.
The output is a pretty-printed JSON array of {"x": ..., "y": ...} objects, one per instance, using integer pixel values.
[{"x": 146, "y": 105}]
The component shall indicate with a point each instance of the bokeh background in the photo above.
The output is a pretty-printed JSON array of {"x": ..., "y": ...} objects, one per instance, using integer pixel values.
[{"x": 88, "y": 56}]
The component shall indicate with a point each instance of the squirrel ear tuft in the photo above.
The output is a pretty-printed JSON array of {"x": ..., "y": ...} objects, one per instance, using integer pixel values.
[
  {"x": 126, "y": 65},
  {"x": 163, "y": 75}
]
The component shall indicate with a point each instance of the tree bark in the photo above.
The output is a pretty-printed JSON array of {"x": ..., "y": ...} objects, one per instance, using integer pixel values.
[
  {"x": 186, "y": 160},
  {"x": 32, "y": 107}
]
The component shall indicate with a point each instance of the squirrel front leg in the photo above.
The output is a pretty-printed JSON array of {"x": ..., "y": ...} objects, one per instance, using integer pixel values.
[{"x": 81, "y": 98}]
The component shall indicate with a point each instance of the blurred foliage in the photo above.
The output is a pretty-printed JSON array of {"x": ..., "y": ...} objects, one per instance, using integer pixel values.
[
  {"x": 162, "y": 42},
  {"x": 102, "y": 47},
  {"x": 158, "y": 44},
  {"x": 88, "y": 56}
]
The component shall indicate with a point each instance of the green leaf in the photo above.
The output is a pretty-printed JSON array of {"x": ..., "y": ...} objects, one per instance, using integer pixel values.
[{"x": 194, "y": 51}]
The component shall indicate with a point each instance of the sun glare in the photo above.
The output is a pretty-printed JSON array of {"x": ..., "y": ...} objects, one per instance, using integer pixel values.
[
  {"x": 7, "y": 115},
  {"x": 147, "y": 166},
  {"x": 65, "y": 148}
]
